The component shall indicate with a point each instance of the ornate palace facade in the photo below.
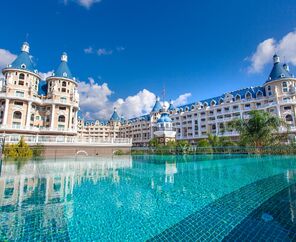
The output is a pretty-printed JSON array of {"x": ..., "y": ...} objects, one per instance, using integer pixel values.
[{"x": 30, "y": 105}]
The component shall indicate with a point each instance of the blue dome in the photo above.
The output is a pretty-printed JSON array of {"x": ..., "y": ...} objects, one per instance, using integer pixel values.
[
  {"x": 157, "y": 106},
  {"x": 164, "y": 118},
  {"x": 63, "y": 71},
  {"x": 278, "y": 71},
  {"x": 23, "y": 62}
]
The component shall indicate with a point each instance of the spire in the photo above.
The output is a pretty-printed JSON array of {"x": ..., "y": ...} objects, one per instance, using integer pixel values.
[
  {"x": 63, "y": 69},
  {"x": 171, "y": 107},
  {"x": 276, "y": 59},
  {"x": 157, "y": 106},
  {"x": 64, "y": 57},
  {"x": 23, "y": 61},
  {"x": 115, "y": 117},
  {"x": 286, "y": 67},
  {"x": 25, "y": 47}
]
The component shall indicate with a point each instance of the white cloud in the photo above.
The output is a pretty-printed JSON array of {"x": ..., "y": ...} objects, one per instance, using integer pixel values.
[
  {"x": 95, "y": 101},
  {"x": 182, "y": 99},
  {"x": 6, "y": 57},
  {"x": 120, "y": 48},
  {"x": 103, "y": 51},
  {"x": 285, "y": 47},
  {"x": 44, "y": 75},
  {"x": 88, "y": 50},
  {"x": 84, "y": 3}
]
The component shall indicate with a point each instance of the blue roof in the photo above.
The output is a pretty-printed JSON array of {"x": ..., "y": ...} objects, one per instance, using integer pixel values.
[
  {"x": 278, "y": 72},
  {"x": 42, "y": 88},
  {"x": 157, "y": 106},
  {"x": 171, "y": 107},
  {"x": 23, "y": 62},
  {"x": 164, "y": 118},
  {"x": 241, "y": 93},
  {"x": 63, "y": 71},
  {"x": 115, "y": 117},
  {"x": 141, "y": 118}
]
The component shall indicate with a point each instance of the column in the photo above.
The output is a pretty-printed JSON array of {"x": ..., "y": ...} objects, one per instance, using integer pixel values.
[
  {"x": 5, "y": 112},
  {"x": 70, "y": 118},
  {"x": 28, "y": 114},
  {"x": 52, "y": 116},
  {"x": 75, "y": 119}
]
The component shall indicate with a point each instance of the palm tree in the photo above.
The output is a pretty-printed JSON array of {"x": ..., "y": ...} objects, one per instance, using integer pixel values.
[{"x": 259, "y": 129}]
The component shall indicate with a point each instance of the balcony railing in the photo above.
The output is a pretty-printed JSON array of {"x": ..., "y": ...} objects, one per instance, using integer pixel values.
[
  {"x": 35, "y": 129},
  {"x": 66, "y": 140}
]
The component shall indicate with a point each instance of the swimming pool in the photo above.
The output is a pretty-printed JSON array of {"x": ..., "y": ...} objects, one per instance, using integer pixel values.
[{"x": 157, "y": 198}]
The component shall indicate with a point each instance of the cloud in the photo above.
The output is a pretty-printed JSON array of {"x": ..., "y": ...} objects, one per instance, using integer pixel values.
[
  {"x": 44, "y": 75},
  {"x": 285, "y": 47},
  {"x": 88, "y": 50},
  {"x": 182, "y": 99},
  {"x": 6, "y": 58},
  {"x": 96, "y": 103},
  {"x": 84, "y": 3},
  {"x": 103, "y": 51}
]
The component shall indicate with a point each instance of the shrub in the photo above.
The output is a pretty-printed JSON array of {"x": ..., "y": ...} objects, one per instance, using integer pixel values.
[
  {"x": 118, "y": 152},
  {"x": 21, "y": 150}
]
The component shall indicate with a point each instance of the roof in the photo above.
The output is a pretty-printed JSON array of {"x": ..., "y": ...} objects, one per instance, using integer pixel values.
[
  {"x": 115, "y": 117},
  {"x": 42, "y": 88},
  {"x": 63, "y": 71},
  {"x": 23, "y": 62},
  {"x": 164, "y": 118},
  {"x": 171, "y": 107},
  {"x": 145, "y": 117},
  {"x": 157, "y": 106}
]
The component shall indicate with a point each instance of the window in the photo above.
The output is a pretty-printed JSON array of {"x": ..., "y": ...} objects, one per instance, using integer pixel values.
[
  {"x": 16, "y": 103},
  {"x": 62, "y": 119},
  {"x": 213, "y": 103},
  {"x": 19, "y": 94},
  {"x": 62, "y": 108},
  {"x": 285, "y": 87},
  {"x": 237, "y": 98},
  {"x": 287, "y": 108},
  {"x": 64, "y": 84},
  {"x": 248, "y": 96},
  {"x": 63, "y": 99},
  {"x": 37, "y": 118},
  {"x": 21, "y": 79},
  {"x": 63, "y": 89},
  {"x": 289, "y": 118},
  {"x": 259, "y": 94},
  {"x": 32, "y": 117},
  {"x": 17, "y": 115}
]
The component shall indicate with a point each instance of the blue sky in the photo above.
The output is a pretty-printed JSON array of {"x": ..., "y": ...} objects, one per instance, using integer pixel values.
[{"x": 200, "y": 47}]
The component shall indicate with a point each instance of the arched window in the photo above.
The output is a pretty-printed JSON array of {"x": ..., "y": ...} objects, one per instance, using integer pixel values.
[
  {"x": 186, "y": 109},
  {"x": 259, "y": 94},
  {"x": 64, "y": 84},
  {"x": 248, "y": 96},
  {"x": 17, "y": 115},
  {"x": 32, "y": 117},
  {"x": 221, "y": 101},
  {"x": 237, "y": 97},
  {"x": 205, "y": 105},
  {"x": 213, "y": 103},
  {"x": 62, "y": 119},
  {"x": 289, "y": 118}
]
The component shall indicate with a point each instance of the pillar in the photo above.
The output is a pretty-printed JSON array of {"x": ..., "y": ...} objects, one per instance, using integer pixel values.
[
  {"x": 52, "y": 116},
  {"x": 28, "y": 114},
  {"x": 6, "y": 112}
]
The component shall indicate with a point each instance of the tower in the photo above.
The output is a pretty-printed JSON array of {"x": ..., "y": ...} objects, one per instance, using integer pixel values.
[
  {"x": 62, "y": 90},
  {"x": 164, "y": 128}
]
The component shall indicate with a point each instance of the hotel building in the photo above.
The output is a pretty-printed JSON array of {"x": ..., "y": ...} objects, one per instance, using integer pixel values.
[{"x": 32, "y": 106}]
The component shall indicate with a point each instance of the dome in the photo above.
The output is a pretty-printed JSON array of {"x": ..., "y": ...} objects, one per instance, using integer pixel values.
[
  {"x": 164, "y": 118},
  {"x": 278, "y": 71},
  {"x": 63, "y": 69},
  {"x": 157, "y": 106}
]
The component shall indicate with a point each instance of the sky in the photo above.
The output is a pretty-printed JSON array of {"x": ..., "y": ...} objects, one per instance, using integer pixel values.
[{"x": 125, "y": 52}]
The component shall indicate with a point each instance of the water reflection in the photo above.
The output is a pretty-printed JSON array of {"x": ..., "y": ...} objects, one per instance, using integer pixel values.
[
  {"x": 39, "y": 194},
  {"x": 119, "y": 198}
]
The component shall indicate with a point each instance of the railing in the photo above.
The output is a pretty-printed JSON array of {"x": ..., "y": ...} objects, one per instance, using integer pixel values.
[
  {"x": 73, "y": 140},
  {"x": 36, "y": 129}
]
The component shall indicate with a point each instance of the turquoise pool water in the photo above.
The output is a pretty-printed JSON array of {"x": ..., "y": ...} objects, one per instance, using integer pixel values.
[{"x": 144, "y": 197}]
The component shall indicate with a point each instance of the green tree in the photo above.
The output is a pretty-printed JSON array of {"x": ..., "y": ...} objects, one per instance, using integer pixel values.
[
  {"x": 21, "y": 150},
  {"x": 259, "y": 130},
  {"x": 154, "y": 142},
  {"x": 204, "y": 147}
]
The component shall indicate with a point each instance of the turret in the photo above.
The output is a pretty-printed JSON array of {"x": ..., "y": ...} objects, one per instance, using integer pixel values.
[{"x": 276, "y": 59}]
